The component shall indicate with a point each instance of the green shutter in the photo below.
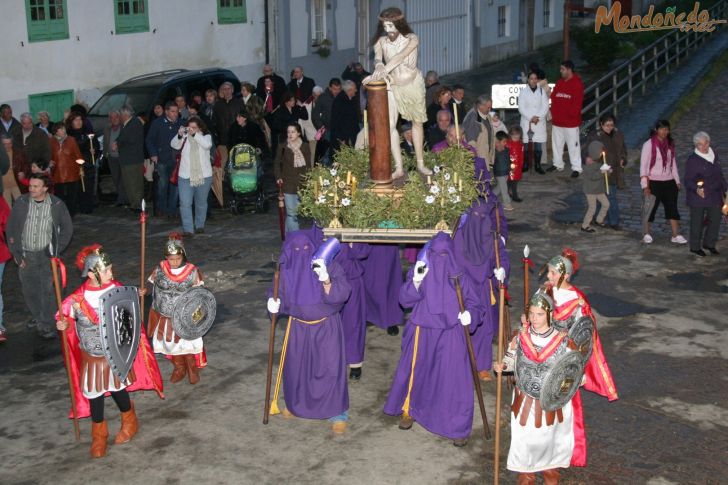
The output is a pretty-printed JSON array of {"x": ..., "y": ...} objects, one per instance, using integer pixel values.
[
  {"x": 46, "y": 19},
  {"x": 231, "y": 12},
  {"x": 55, "y": 103},
  {"x": 131, "y": 16}
]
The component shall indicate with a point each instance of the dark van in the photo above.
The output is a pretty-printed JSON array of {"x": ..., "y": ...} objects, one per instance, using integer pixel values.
[{"x": 143, "y": 92}]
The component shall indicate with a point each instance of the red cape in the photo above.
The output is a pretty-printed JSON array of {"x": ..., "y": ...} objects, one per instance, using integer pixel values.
[
  {"x": 145, "y": 365},
  {"x": 598, "y": 375}
]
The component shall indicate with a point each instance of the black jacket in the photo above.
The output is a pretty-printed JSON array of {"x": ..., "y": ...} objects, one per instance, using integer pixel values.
[
  {"x": 16, "y": 223},
  {"x": 306, "y": 90},
  {"x": 250, "y": 134},
  {"x": 131, "y": 143},
  {"x": 344, "y": 120}
]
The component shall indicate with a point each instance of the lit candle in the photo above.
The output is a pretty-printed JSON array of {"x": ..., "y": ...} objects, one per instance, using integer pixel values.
[
  {"x": 348, "y": 177},
  {"x": 366, "y": 128},
  {"x": 457, "y": 123}
]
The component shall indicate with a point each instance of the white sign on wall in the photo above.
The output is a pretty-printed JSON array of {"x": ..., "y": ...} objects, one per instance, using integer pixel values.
[{"x": 505, "y": 96}]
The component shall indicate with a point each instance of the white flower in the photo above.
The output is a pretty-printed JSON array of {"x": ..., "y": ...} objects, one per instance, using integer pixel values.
[
  {"x": 321, "y": 199},
  {"x": 436, "y": 169},
  {"x": 447, "y": 176},
  {"x": 430, "y": 199},
  {"x": 326, "y": 183},
  {"x": 451, "y": 190},
  {"x": 434, "y": 189},
  {"x": 455, "y": 199},
  {"x": 345, "y": 201},
  {"x": 333, "y": 172}
]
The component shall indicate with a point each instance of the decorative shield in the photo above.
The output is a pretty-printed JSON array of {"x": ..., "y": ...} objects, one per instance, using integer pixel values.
[
  {"x": 120, "y": 326},
  {"x": 194, "y": 313},
  {"x": 562, "y": 381},
  {"x": 582, "y": 333}
]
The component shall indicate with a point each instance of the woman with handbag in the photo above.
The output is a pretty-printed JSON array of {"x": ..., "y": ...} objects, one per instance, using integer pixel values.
[{"x": 194, "y": 172}]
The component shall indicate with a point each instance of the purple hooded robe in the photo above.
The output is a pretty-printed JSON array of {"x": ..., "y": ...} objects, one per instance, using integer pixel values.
[
  {"x": 473, "y": 250},
  {"x": 351, "y": 258},
  {"x": 382, "y": 281},
  {"x": 314, "y": 372},
  {"x": 441, "y": 394}
]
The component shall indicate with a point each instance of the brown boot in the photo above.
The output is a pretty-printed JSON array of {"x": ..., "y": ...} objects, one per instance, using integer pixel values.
[
  {"x": 526, "y": 479},
  {"x": 99, "y": 439},
  {"x": 180, "y": 370},
  {"x": 129, "y": 426},
  {"x": 192, "y": 372},
  {"x": 551, "y": 477}
]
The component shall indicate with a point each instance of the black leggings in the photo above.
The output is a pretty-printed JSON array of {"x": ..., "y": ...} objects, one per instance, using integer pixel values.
[{"x": 121, "y": 398}]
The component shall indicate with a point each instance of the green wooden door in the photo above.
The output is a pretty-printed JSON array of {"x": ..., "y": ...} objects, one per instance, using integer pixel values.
[{"x": 55, "y": 103}]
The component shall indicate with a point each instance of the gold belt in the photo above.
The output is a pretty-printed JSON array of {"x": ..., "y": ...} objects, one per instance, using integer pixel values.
[{"x": 310, "y": 322}]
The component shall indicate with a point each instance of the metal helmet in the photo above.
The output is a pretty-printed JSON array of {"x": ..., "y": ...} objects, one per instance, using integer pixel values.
[
  {"x": 93, "y": 259},
  {"x": 565, "y": 263},
  {"x": 174, "y": 245},
  {"x": 542, "y": 300}
]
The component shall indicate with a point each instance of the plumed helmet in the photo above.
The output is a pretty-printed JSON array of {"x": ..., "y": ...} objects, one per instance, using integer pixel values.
[
  {"x": 542, "y": 300},
  {"x": 92, "y": 258},
  {"x": 174, "y": 245}
]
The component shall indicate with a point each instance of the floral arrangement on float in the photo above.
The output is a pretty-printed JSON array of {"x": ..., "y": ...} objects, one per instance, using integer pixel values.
[{"x": 342, "y": 197}]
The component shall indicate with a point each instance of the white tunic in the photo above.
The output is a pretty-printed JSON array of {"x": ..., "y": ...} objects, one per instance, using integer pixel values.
[{"x": 536, "y": 449}]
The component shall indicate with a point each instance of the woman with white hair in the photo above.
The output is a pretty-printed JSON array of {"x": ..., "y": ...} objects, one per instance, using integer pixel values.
[{"x": 705, "y": 188}]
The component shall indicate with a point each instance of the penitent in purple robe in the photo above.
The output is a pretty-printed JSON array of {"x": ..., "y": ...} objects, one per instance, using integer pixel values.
[
  {"x": 441, "y": 395},
  {"x": 314, "y": 371},
  {"x": 351, "y": 257},
  {"x": 382, "y": 281},
  {"x": 473, "y": 249}
]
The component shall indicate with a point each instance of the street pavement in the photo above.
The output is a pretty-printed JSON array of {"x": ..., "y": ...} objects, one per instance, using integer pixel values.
[{"x": 660, "y": 316}]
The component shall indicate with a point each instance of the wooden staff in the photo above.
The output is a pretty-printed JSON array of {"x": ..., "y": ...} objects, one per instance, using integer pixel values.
[
  {"x": 271, "y": 341},
  {"x": 526, "y": 291},
  {"x": 496, "y": 249},
  {"x": 499, "y": 381},
  {"x": 142, "y": 283},
  {"x": 473, "y": 365},
  {"x": 66, "y": 349}
]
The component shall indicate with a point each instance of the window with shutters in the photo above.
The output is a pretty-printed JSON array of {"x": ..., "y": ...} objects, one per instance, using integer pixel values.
[
  {"x": 504, "y": 28},
  {"x": 318, "y": 21},
  {"x": 131, "y": 16},
  {"x": 47, "y": 20},
  {"x": 547, "y": 18},
  {"x": 231, "y": 12}
]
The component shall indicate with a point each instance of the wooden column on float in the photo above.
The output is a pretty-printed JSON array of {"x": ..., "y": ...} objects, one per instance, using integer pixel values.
[{"x": 380, "y": 164}]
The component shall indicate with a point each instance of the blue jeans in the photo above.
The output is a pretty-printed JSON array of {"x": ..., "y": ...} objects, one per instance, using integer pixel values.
[
  {"x": 166, "y": 196},
  {"x": 2, "y": 270},
  {"x": 613, "y": 212},
  {"x": 291, "y": 201},
  {"x": 198, "y": 195}
]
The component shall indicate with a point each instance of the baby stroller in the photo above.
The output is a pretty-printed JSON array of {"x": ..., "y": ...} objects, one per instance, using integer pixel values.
[{"x": 244, "y": 180}]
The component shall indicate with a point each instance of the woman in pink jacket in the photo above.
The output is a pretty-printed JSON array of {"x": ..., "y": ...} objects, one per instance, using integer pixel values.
[{"x": 659, "y": 177}]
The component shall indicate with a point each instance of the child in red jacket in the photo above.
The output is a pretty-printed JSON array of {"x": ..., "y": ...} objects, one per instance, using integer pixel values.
[{"x": 515, "y": 148}]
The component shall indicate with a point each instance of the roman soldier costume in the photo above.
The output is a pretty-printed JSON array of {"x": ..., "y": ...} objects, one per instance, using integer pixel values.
[
  {"x": 97, "y": 355},
  {"x": 171, "y": 284}
]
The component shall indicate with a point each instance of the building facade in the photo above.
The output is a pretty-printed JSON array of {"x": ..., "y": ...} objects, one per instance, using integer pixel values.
[{"x": 57, "y": 52}]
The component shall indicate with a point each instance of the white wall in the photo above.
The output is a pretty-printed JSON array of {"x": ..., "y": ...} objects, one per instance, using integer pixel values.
[
  {"x": 92, "y": 59},
  {"x": 489, "y": 23}
]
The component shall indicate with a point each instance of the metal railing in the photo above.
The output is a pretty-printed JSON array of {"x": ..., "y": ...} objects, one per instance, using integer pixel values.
[{"x": 650, "y": 64}]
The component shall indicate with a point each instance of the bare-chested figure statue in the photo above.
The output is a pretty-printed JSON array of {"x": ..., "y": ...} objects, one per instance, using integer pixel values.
[{"x": 395, "y": 57}]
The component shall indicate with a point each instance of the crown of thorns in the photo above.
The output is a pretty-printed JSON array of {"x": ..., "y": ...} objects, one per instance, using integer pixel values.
[{"x": 392, "y": 18}]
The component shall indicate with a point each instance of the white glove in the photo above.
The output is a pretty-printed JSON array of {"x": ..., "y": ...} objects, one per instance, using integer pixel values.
[
  {"x": 319, "y": 267},
  {"x": 464, "y": 318},
  {"x": 274, "y": 305},
  {"x": 500, "y": 274},
  {"x": 420, "y": 272}
]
